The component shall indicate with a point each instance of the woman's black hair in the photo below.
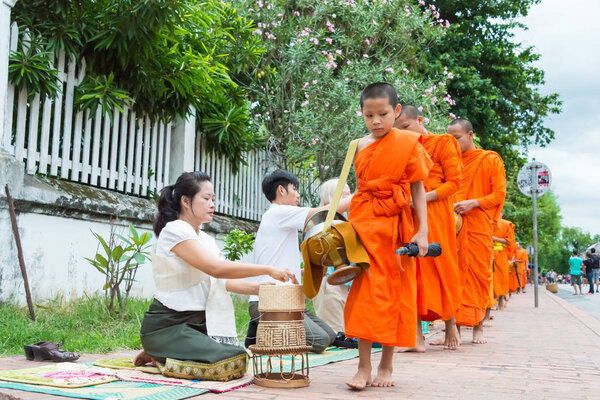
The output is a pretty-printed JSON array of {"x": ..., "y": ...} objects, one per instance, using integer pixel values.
[{"x": 169, "y": 202}]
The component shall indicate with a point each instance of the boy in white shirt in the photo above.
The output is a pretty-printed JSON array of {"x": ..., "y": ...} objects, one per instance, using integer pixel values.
[{"x": 277, "y": 245}]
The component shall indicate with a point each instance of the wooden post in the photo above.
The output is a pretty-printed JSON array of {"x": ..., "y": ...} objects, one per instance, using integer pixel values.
[{"x": 13, "y": 220}]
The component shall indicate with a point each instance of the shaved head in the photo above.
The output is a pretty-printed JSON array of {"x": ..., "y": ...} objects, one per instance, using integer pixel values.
[
  {"x": 410, "y": 119},
  {"x": 410, "y": 111},
  {"x": 462, "y": 130},
  {"x": 463, "y": 123}
]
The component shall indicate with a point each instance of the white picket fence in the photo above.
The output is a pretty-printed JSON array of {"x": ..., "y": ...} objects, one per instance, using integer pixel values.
[{"x": 130, "y": 156}]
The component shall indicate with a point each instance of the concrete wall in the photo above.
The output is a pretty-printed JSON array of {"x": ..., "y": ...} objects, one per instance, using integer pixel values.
[{"x": 55, "y": 220}]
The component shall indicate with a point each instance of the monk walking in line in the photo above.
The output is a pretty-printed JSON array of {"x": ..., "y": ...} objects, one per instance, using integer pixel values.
[
  {"x": 391, "y": 166},
  {"x": 504, "y": 246},
  {"x": 479, "y": 200},
  {"x": 522, "y": 261},
  {"x": 439, "y": 275}
]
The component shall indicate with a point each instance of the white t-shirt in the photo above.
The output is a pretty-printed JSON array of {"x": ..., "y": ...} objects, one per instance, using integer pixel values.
[
  {"x": 194, "y": 297},
  {"x": 276, "y": 242}
]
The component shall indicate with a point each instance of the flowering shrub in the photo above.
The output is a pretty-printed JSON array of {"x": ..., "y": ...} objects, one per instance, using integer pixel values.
[{"x": 320, "y": 55}]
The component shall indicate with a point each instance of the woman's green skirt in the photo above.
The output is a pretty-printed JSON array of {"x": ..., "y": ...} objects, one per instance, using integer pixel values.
[{"x": 179, "y": 344}]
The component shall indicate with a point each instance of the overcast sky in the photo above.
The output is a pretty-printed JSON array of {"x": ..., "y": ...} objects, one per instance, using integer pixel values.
[{"x": 567, "y": 35}]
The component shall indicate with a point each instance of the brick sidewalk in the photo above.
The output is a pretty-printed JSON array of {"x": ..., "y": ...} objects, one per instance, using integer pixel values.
[{"x": 545, "y": 353}]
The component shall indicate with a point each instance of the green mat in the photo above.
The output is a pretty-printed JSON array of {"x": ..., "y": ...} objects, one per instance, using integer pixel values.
[
  {"x": 113, "y": 390},
  {"x": 331, "y": 355}
]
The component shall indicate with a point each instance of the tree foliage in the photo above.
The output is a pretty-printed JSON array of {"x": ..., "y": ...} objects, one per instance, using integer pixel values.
[
  {"x": 496, "y": 84},
  {"x": 319, "y": 56},
  {"x": 172, "y": 57}
]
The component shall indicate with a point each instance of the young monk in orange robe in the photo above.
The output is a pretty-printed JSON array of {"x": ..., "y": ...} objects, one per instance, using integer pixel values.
[
  {"x": 522, "y": 260},
  {"x": 513, "y": 282},
  {"x": 390, "y": 167},
  {"x": 479, "y": 200},
  {"x": 439, "y": 275},
  {"x": 504, "y": 243}
]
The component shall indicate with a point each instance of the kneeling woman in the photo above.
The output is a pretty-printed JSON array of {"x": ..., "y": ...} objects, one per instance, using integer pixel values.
[{"x": 190, "y": 302}]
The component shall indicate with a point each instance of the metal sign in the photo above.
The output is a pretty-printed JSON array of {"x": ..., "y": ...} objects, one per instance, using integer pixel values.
[
  {"x": 534, "y": 180},
  {"x": 536, "y": 176}
]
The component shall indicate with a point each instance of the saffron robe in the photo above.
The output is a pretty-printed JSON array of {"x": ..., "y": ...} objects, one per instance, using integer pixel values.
[
  {"x": 522, "y": 260},
  {"x": 381, "y": 305},
  {"x": 483, "y": 179},
  {"x": 504, "y": 230},
  {"x": 440, "y": 275}
]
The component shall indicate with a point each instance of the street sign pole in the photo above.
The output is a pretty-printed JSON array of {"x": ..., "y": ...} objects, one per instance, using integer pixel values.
[
  {"x": 534, "y": 180},
  {"x": 534, "y": 191}
]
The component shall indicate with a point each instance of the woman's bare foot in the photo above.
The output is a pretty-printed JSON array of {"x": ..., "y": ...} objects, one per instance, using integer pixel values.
[
  {"x": 141, "y": 358},
  {"x": 361, "y": 379},
  {"x": 478, "y": 335},
  {"x": 383, "y": 378}
]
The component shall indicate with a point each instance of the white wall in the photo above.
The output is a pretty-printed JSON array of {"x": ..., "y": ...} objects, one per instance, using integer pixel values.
[{"x": 54, "y": 249}]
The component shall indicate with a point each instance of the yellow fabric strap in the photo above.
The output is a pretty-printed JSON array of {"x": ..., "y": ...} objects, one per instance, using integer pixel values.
[{"x": 340, "y": 186}]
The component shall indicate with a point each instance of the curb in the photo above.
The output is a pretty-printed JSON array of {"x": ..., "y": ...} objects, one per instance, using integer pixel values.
[{"x": 589, "y": 321}]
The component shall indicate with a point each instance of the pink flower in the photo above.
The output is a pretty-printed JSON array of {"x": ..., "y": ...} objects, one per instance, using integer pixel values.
[
  {"x": 346, "y": 79},
  {"x": 426, "y": 121},
  {"x": 450, "y": 75},
  {"x": 389, "y": 70},
  {"x": 420, "y": 108},
  {"x": 365, "y": 56},
  {"x": 330, "y": 26},
  {"x": 434, "y": 100},
  {"x": 367, "y": 41},
  {"x": 257, "y": 32},
  {"x": 306, "y": 85},
  {"x": 314, "y": 40},
  {"x": 304, "y": 104},
  {"x": 452, "y": 115},
  {"x": 359, "y": 114},
  {"x": 296, "y": 13},
  {"x": 333, "y": 16},
  {"x": 405, "y": 70},
  {"x": 329, "y": 40},
  {"x": 314, "y": 82},
  {"x": 421, "y": 3},
  {"x": 338, "y": 51}
]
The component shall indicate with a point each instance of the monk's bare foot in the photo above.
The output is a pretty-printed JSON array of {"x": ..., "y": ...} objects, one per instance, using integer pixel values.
[
  {"x": 361, "y": 379},
  {"x": 438, "y": 342},
  {"x": 453, "y": 340},
  {"x": 383, "y": 378},
  {"x": 141, "y": 358},
  {"x": 478, "y": 335},
  {"x": 416, "y": 349}
]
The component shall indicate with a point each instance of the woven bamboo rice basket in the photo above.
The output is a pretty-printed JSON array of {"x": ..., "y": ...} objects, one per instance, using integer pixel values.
[
  {"x": 280, "y": 334},
  {"x": 278, "y": 298},
  {"x": 552, "y": 287}
]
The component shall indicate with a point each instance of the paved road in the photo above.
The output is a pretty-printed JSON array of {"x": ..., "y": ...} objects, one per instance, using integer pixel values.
[
  {"x": 544, "y": 353},
  {"x": 588, "y": 303}
]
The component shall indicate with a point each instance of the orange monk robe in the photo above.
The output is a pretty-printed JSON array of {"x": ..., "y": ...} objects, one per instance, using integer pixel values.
[
  {"x": 483, "y": 179},
  {"x": 440, "y": 275},
  {"x": 522, "y": 259},
  {"x": 513, "y": 283},
  {"x": 504, "y": 230},
  {"x": 382, "y": 302}
]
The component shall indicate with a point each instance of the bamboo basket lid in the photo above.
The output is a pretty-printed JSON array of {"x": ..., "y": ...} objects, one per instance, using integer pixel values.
[{"x": 274, "y": 298}]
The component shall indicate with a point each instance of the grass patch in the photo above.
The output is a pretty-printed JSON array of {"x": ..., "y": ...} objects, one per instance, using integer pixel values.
[{"x": 84, "y": 325}]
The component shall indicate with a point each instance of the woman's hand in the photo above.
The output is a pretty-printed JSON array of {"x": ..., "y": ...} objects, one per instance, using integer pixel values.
[{"x": 283, "y": 275}]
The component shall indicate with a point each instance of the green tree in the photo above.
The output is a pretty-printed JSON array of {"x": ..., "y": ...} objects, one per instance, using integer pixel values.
[
  {"x": 496, "y": 84},
  {"x": 319, "y": 56},
  {"x": 170, "y": 57}
]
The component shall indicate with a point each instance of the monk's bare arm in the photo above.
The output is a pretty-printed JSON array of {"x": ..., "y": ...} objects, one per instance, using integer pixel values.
[
  {"x": 417, "y": 192},
  {"x": 343, "y": 206},
  {"x": 499, "y": 240}
]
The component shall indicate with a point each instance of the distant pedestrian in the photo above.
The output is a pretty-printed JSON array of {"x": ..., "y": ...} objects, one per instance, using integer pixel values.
[
  {"x": 575, "y": 263},
  {"x": 588, "y": 272},
  {"x": 595, "y": 267}
]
